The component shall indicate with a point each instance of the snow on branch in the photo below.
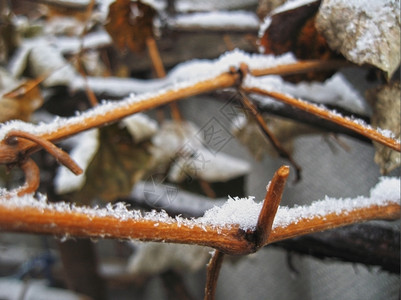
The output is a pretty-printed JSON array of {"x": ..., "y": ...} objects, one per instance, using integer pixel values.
[
  {"x": 220, "y": 227},
  {"x": 182, "y": 78}
]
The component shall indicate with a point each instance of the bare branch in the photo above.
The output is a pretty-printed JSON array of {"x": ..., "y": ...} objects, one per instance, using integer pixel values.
[
  {"x": 213, "y": 271},
  {"x": 328, "y": 115},
  {"x": 274, "y": 193}
]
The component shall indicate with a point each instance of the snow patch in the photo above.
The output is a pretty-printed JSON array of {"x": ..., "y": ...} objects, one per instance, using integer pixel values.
[
  {"x": 85, "y": 146},
  {"x": 217, "y": 19}
]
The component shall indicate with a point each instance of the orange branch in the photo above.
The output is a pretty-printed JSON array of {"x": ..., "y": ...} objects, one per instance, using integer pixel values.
[
  {"x": 10, "y": 154},
  {"x": 213, "y": 270},
  {"x": 301, "y": 67},
  {"x": 330, "y": 116},
  {"x": 230, "y": 240},
  {"x": 272, "y": 200}
]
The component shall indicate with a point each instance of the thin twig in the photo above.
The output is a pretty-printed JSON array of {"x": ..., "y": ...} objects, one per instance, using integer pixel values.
[
  {"x": 272, "y": 200},
  {"x": 59, "y": 154},
  {"x": 328, "y": 115},
  {"x": 213, "y": 271},
  {"x": 161, "y": 73},
  {"x": 230, "y": 239},
  {"x": 268, "y": 134},
  {"x": 9, "y": 155},
  {"x": 300, "y": 67},
  {"x": 32, "y": 177}
]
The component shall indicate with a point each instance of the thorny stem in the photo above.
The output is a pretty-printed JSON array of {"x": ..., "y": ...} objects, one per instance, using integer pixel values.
[
  {"x": 273, "y": 197},
  {"x": 213, "y": 271},
  {"x": 269, "y": 135},
  {"x": 328, "y": 115}
]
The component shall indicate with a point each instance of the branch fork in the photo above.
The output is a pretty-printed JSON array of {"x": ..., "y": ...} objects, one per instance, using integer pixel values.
[
  {"x": 261, "y": 234},
  {"x": 29, "y": 167}
]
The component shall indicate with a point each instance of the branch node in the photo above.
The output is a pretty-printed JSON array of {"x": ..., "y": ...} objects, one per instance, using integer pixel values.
[
  {"x": 272, "y": 200},
  {"x": 59, "y": 154}
]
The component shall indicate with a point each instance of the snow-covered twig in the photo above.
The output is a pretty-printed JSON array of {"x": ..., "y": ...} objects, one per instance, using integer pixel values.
[{"x": 227, "y": 228}]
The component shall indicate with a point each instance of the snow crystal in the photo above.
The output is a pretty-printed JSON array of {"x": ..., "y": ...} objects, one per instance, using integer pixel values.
[
  {"x": 385, "y": 192},
  {"x": 217, "y": 19},
  {"x": 242, "y": 212},
  {"x": 245, "y": 211}
]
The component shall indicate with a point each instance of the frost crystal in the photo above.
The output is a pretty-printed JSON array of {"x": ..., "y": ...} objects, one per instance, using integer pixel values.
[{"x": 242, "y": 212}]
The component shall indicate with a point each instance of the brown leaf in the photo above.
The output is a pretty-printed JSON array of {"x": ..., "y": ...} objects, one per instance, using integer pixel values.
[
  {"x": 386, "y": 115},
  {"x": 130, "y": 23},
  {"x": 294, "y": 31},
  {"x": 21, "y": 102},
  {"x": 118, "y": 164}
]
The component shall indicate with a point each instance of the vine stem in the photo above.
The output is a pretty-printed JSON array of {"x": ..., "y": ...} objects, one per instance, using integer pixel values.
[
  {"x": 213, "y": 271},
  {"x": 229, "y": 239},
  {"x": 11, "y": 154},
  {"x": 161, "y": 73},
  {"x": 330, "y": 116}
]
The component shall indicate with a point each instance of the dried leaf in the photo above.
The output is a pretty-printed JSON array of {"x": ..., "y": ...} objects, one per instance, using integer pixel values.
[
  {"x": 386, "y": 115},
  {"x": 364, "y": 32},
  {"x": 117, "y": 166},
  {"x": 130, "y": 23},
  {"x": 21, "y": 102},
  {"x": 294, "y": 30}
]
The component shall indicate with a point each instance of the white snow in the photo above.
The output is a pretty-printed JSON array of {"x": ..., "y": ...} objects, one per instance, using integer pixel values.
[
  {"x": 245, "y": 211},
  {"x": 85, "y": 146},
  {"x": 185, "y": 75},
  {"x": 273, "y": 84},
  {"x": 217, "y": 19},
  {"x": 336, "y": 91},
  {"x": 292, "y": 4},
  {"x": 118, "y": 87},
  {"x": 242, "y": 211},
  {"x": 377, "y": 12},
  {"x": 236, "y": 211},
  {"x": 53, "y": 47},
  {"x": 140, "y": 126}
]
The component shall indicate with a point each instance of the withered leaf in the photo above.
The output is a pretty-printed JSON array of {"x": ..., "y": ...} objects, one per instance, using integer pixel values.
[
  {"x": 21, "y": 102},
  {"x": 116, "y": 167},
  {"x": 365, "y": 33},
  {"x": 385, "y": 102},
  {"x": 294, "y": 31},
  {"x": 130, "y": 23}
]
